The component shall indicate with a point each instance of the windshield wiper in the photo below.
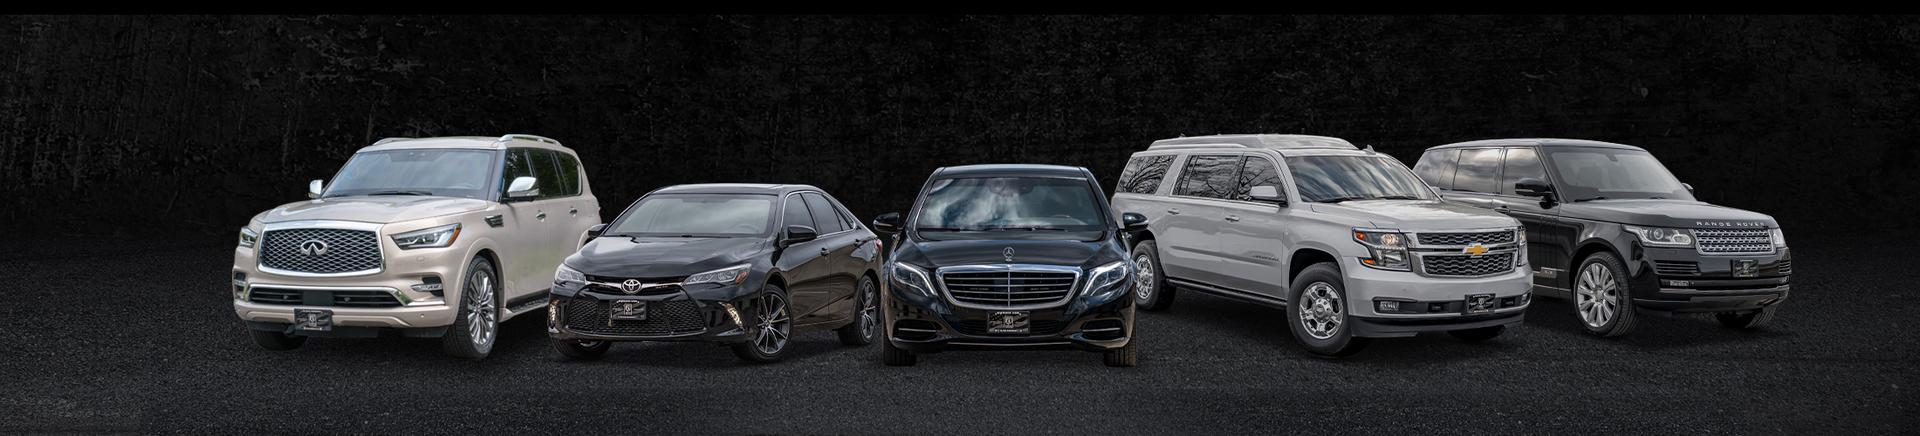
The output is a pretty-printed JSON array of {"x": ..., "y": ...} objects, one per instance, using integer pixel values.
[
  {"x": 1030, "y": 229},
  {"x": 1396, "y": 197},
  {"x": 401, "y": 193},
  {"x": 1340, "y": 199},
  {"x": 1577, "y": 200}
]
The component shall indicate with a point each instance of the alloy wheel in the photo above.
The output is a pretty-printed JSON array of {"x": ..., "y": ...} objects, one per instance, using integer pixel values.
[
  {"x": 1143, "y": 282},
  {"x": 481, "y": 315},
  {"x": 869, "y": 309},
  {"x": 1321, "y": 311},
  {"x": 1598, "y": 295},
  {"x": 774, "y": 324}
]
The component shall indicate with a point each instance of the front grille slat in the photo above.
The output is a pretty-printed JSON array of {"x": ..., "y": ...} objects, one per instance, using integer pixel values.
[
  {"x": 1465, "y": 238},
  {"x": 1676, "y": 267},
  {"x": 664, "y": 318},
  {"x": 1006, "y": 289},
  {"x": 1466, "y": 266},
  {"x": 1733, "y": 241},
  {"x": 347, "y": 251}
]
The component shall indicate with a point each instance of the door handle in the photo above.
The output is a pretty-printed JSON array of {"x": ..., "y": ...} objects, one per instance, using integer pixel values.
[
  {"x": 573, "y": 211},
  {"x": 1173, "y": 211},
  {"x": 824, "y": 251},
  {"x": 1233, "y": 218},
  {"x": 541, "y": 216}
]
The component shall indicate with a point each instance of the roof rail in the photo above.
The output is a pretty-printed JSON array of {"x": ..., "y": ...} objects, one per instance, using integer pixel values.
[
  {"x": 1273, "y": 141},
  {"x": 536, "y": 138},
  {"x": 389, "y": 139}
]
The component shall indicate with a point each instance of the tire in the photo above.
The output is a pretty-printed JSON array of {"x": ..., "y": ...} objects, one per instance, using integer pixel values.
[
  {"x": 1319, "y": 322},
  {"x": 574, "y": 349},
  {"x": 1124, "y": 357},
  {"x": 896, "y": 356},
  {"x": 1479, "y": 334},
  {"x": 1150, "y": 290},
  {"x": 477, "y": 325},
  {"x": 772, "y": 327},
  {"x": 1747, "y": 320},
  {"x": 277, "y": 341},
  {"x": 866, "y": 314},
  {"x": 1602, "y": 298}
]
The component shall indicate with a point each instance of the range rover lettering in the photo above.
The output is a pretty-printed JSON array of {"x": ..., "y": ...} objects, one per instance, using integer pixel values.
[
  {"x": 430, "y": 237},
  {"x": 1347, "y": 241},
  {"x": 743, "y": 265},
  {"x": 1009, "y": 257},
  {"x": 1613, "y": 230}
]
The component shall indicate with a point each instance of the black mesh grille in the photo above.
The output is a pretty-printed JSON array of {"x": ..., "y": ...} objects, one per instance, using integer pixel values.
[
  {"x": 1467, "y": 266},
  {"x": 1676, "y": 267},
  {"x": 664, "y": 318},
  {"x": 1008, "y": 289},
  {"x": 344, "y": 250},
  {"x": 1034, "y": 327},
  {"x": 1484, "y": 238}
]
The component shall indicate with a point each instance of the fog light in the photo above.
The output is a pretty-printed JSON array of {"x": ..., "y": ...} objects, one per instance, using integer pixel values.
[
  {"x": 1389, "y": 306},
  {"x": 733, "y": 314},
  {"x": 1525, "y": 297},
  {"x": 553, "y": 316},
  {"x": 430, "y": 284}
]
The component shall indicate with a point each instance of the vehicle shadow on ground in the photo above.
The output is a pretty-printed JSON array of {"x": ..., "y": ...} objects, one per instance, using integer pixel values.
[
  {"x": 1267, "y": 326},
  {"x": 1655, "y": 330},
  {"x": 532, "y": 339}
]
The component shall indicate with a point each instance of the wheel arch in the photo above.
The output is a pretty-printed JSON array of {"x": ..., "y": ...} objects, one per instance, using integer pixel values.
[{"x": 1306, "y": 257}]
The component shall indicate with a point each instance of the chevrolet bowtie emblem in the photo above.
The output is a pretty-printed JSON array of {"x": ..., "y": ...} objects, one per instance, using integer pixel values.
[{"x": 1475, "y": 250}]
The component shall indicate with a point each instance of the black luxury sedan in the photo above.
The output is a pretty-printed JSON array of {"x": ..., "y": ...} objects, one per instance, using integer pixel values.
[
  {"x": 736, "y": 264},
  {"x": 1009, "y": 257}
]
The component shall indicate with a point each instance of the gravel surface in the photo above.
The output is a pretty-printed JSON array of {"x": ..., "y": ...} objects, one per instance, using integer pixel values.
[{"x": 144, "y": 340}]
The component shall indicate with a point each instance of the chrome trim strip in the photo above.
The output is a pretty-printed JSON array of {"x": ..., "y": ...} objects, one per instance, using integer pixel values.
[
  {"x": 909, "y": 329},
  {"x": 402, "y": 297},
  {"x": 379, "y": 243},
  {"x": 1072, "y": 289}
]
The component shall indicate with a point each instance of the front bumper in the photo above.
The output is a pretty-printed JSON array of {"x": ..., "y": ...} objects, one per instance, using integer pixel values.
[
  {"x": 923, "y": 324},
  {"x": 1682, "y": 280},
  {"x": 265, "y": 297},
  {"x": 582, "y": 315},
  {"x": 1430, "y": 303}
]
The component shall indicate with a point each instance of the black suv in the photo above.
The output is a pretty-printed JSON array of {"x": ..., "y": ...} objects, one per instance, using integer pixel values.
[
  {"x": 1608, "y": 226},
  {"x": 1009, "y": 256},
  {"x": 737, "y": 264}
]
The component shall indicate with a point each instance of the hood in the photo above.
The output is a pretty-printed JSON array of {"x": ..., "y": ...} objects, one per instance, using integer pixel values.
[
  {"x": 621, "y": 256},
  {"x": 939, "y": 254},
  {"x": 1668, "y": 213},
  {"x": 1416, "y": 215},
  {"x": 374, "y": 209}
]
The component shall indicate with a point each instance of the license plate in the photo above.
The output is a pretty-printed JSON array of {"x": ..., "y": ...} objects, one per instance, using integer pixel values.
[
  {"x": 1746, "y": 267},
  {"x": 1480, "y": 303},
  {"x": 318, "y": 320},
  {"x": 1007, "y": 322},
  {"x": 627, "y": 310}
]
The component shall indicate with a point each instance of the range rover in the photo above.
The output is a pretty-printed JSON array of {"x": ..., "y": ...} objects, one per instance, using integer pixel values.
[
  {"x": 430, "y": 237},
  {"x": 737, "y": 264},
  {"x": 1348, "y": 242},
  {"x": 1008, "y": 257},
  {"x": 1612, "y": 229}
]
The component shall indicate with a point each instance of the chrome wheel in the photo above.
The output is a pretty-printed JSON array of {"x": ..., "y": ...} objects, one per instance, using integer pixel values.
[
  {"x": 1598, "y": 295},
  {"x": 771, "y": 335},
  {"x": 1321, "y": 311},
  {"x": 481, "y": 315},
  {"x": 1143, "y": 282},
  {"x": 869, "y": 308}
]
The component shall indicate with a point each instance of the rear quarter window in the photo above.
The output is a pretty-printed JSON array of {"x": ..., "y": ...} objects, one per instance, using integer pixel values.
[
  {"x": 1143, "y": 174},
  {"x": 1436, "y": 167}
]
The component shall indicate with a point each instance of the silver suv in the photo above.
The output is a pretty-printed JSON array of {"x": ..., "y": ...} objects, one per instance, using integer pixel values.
[
  {"x": 430, "y": 237},
  {"x": 1348, "y": 241}
]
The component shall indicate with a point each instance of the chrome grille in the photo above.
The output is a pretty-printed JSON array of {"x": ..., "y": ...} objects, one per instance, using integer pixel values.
[
  {"x": 1007, "y": 289},
  {"x": 1470, "y": 238},
  {"x": 346, "y": 251},
  {"x": 1466, "y": 266},
  {"x": 1733, "y": 241},
  {"x": 664, "y": 318}
]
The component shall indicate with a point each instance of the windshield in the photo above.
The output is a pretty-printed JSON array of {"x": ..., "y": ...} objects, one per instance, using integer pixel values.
[
  {"x": 1593, "y": 173},
  {"x": 443, "y": 172},
  {"x": 1333, "y": 179},
  {"x": 1011, "y": 208},
  {"x": 696, "y": 215}
]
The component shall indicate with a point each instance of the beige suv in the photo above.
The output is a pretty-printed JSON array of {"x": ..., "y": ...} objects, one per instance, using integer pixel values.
[{"x": 430, "y": 237}]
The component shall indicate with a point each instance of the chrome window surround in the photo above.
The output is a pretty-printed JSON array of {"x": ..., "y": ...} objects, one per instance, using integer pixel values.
[
  {"x": 1072, "y": 291},
  {"x": 379, "y": 242}
]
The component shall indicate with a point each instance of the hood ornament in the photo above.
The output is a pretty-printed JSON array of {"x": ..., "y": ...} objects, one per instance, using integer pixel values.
[
  {"x": 1475, "y": 250},
  {"x": 1008, "y": 253},
  {"x": 630, "y": 286}
]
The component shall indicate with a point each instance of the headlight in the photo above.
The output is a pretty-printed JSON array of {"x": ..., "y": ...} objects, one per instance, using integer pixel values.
[
  {"x": 1663, "y": 237},
  {"x": 564, "y": 275},
  {"x": 429, "y": 238},
  {"x": 248, "y": 237},
  {"x": 1520, "y": 243},
  {"x": 912, "y": 277},
  {"x": 1779, "y": 238},
  {"x": 1387, "y": 248},
  {"x": 1105, "y": 276},
  {"x": 732, "y": 275}
]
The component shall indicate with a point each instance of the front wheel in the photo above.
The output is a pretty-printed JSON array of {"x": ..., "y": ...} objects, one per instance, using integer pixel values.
[
  {"x": 1124, "y": 357},
  {"x": 896, "y": 356},
  {"x": 1747, "y": 320},
  {"x": 1601, "y": 296},
  {"x": 1317, "y": 313},
  {"x": 773, "y": 323},
  {"x": 866, "y": 314},
  {"x": 1150, "y": 290},
  {"x": 478, "y": 323}
]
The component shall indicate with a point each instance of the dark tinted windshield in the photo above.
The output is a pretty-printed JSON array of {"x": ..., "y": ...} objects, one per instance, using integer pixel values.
[
  {"x": 1591, "y": 173},
  {"x": 697, "y": 215},
  {"x": 444, "y": 172},
  {"x": 1010, "y": 208},
  {"x": 1333, "y": 179}
]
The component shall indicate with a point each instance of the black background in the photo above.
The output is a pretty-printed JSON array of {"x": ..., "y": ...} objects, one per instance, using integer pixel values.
[{"x": 193, "y": 124}]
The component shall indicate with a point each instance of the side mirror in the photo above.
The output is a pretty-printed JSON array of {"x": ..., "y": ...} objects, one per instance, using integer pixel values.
[
  {"x": 1689, "y": 187},
  {"x": 1133, "y": 222},
  {"x": 594, "y": 232},
  {"x": 799, "y": 234},
  {"x": 315, "y": 187},
  {"x": 1532, "y": 187},
  {"x": 523, "y": 187},
  {"x": 1267, "y": 193},
  {"x": 887, "y": 222}
]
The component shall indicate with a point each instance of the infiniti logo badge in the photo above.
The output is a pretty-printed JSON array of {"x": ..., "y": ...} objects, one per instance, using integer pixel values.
[
  {"x": 313, "y": 247},
  {"x": 1009, "y": 253},
  {"x": 631, "y": 286}
]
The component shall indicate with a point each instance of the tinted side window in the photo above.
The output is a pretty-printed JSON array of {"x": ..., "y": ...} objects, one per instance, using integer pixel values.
[
  {"x": 1522, "y": 163},
  {"x": 1436, "y": 167},
  {"x": 823, "y": 214},
  {"x": 846, "y": 216},
  {"x": 1258, "y": 171},
  {"x": 545, "y": 169},
  {"x": 1143, "y": 174},
  {"x": 569, "y": 169},
  {"x": 516, "y": 166},
  {"x": 1479, "y": 171},
  {"x": 1209, "y": 176},
  {"x": 796, "y": 214}
]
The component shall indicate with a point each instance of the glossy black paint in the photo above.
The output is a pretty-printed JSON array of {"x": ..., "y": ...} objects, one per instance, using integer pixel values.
[{"x": 819, "y": 272}]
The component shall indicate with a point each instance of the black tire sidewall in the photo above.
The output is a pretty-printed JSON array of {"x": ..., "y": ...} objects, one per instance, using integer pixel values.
[
  {"x": 457, "y": 341},
  {"x": 1161, "y": 296},
  {"x": 1343, "y": 337}
]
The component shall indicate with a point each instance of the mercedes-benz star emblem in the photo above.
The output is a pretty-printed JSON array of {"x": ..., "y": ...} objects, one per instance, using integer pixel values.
[
  {"x": 313, "y": 247},
  {"x": 631, "y": 286},
  {"x": 1009, "y": 253}
]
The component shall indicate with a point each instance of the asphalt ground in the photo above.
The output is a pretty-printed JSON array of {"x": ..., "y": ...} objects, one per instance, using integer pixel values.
[{"x": 138, "y": 335}]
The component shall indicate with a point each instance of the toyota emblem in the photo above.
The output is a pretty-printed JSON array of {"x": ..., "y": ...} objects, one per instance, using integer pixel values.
[
  {"x": 631, "y": 286},
  {"x": 1009, "y": 253},
  {"x": 313, "y": 247}
]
